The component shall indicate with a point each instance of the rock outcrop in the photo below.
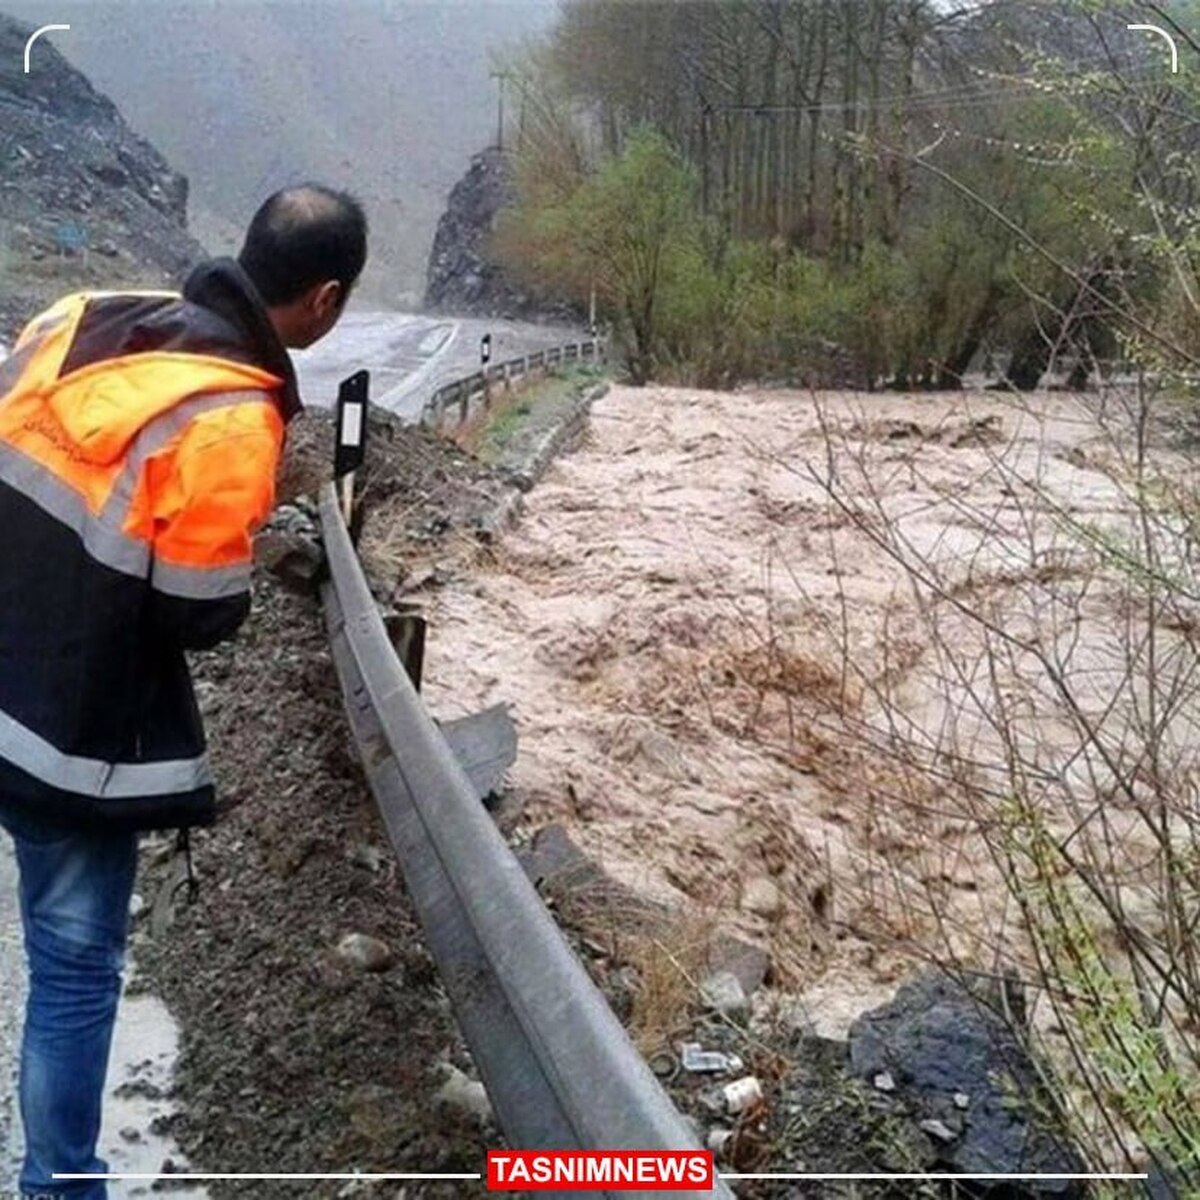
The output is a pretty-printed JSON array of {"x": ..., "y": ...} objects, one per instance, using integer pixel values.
[
  {"x": 960, "y": 1064},
  {"x": 84, "y": 201},
  {"x": 462, "y": 277}
]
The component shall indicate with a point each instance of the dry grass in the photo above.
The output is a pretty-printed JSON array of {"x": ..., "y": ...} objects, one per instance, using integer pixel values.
[
  {"x": 669, "y": 966},
  {"x": 504, "y": 404}
]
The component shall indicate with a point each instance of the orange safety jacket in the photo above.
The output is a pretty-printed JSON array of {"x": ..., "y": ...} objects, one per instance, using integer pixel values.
[{"x": 139, "y": 438}]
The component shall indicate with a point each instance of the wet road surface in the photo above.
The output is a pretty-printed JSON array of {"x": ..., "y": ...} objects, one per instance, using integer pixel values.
[{"x": 410, "y": 357}]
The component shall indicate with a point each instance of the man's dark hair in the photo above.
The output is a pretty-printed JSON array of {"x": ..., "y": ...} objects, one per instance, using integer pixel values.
[{"x": 302, "y": 236}]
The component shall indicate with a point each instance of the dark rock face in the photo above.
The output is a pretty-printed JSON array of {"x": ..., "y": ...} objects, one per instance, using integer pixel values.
[
  {"x": 961, "y": 1068},
  {"x": 75, "y": 179},
  {"x": 461, "y": 278}
]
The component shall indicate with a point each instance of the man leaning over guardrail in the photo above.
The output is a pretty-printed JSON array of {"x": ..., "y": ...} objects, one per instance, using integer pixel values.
[{"x": 140, "y": 434}]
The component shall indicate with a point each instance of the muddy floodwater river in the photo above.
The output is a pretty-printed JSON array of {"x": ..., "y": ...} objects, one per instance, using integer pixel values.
[{"x": 694, "y": 633}]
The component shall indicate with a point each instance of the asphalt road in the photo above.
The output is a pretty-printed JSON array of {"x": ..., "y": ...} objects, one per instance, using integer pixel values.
[{"x": 410, "y": 357}]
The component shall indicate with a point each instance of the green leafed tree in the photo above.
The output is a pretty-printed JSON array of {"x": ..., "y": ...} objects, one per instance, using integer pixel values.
[
  {"x": 941, "y": 179},
  {"x": 619, "y": 231}
]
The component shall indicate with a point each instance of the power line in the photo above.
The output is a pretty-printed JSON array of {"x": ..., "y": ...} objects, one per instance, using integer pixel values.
[{"x": 918, "y": 101}]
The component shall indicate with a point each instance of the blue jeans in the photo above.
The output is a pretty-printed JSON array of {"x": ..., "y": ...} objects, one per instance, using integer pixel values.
[{"x": 75, "y": 890}]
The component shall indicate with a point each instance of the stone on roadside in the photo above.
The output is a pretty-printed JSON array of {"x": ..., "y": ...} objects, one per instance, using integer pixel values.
[
  {"x": 762, "y": 897},
  {"x": 748, "y": 962},
  {"x": 463, "y": 1093},
  {"x": 370, "y": 858},
  {"x": 294, "y": 559},
  {"x": 939, "y": 1130},
  {"x": 723, "y": 993},
  {"x": 367, "y": 953}
]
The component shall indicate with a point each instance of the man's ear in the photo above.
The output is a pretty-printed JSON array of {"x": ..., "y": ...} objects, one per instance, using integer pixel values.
[{"x": 327, "y": 297}]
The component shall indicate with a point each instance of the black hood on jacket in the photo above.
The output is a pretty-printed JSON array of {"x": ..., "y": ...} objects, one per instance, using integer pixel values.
[{"x": 221, "y": 286}]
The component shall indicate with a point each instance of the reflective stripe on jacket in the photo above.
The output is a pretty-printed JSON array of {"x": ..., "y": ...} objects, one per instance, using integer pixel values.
[{"x": 138, "y": 450}]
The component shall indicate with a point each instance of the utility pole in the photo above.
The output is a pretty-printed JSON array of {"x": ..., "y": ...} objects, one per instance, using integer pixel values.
[{"x": 502, "y": 77}]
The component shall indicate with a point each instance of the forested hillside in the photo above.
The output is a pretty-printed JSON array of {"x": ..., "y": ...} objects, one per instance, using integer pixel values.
[{"x": 930, "y": 187}]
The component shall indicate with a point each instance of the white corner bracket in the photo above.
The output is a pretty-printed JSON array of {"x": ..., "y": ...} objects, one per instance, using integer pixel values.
[
  {"x": 1170, "y": 42},
  {"x": 33, "y": 37}
]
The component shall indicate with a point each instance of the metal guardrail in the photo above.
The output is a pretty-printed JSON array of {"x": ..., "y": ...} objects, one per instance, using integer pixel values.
[
  {"x": 464, "y": 393},
  {"x": 559, "y": 1068}
]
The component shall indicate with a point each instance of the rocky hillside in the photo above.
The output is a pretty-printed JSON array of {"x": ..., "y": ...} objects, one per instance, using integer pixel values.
[
  {"x": 462, "y": 278},
  {"x": 84, "y": 201}
]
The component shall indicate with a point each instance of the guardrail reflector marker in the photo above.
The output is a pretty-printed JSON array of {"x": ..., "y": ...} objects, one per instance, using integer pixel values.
[{"x": 351, "y": 435}]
